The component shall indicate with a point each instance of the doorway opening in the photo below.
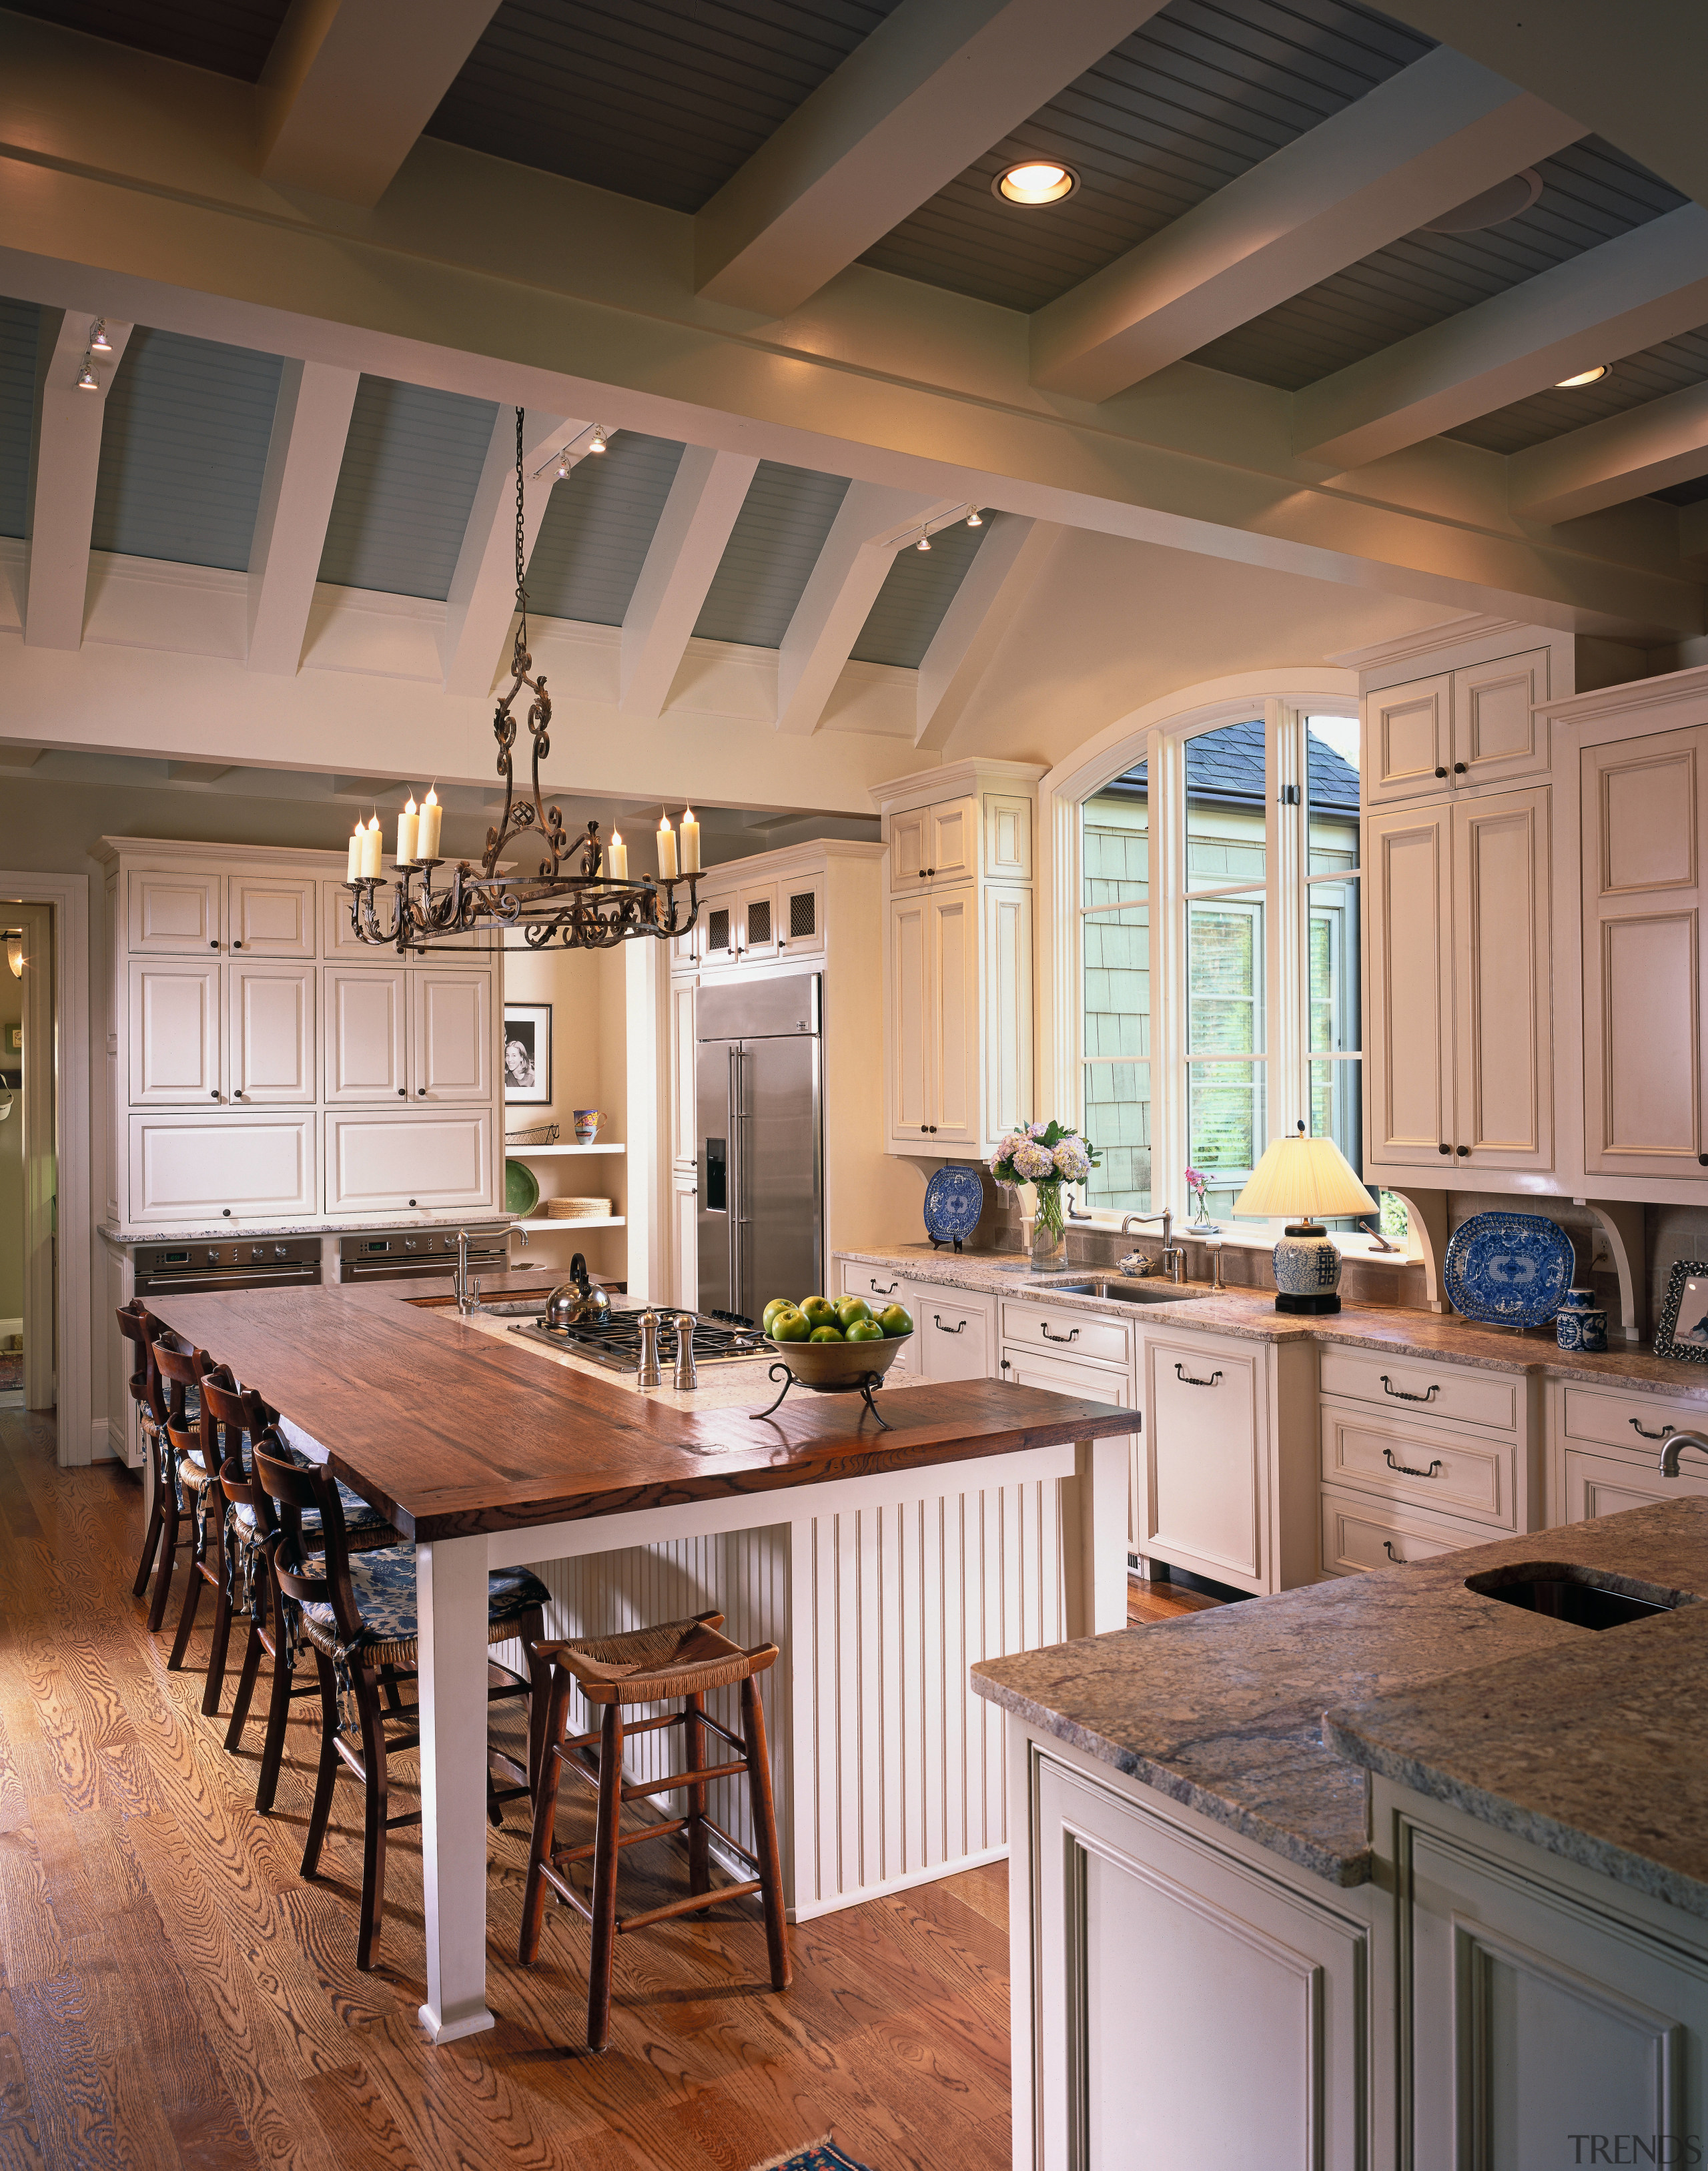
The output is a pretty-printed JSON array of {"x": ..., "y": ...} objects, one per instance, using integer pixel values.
[{"x": 29, "y": 1159}]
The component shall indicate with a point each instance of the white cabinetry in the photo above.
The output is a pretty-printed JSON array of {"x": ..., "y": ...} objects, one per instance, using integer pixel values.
[
  {"x": 226, "y": 1165},
  {"x": 366, "y": 1012},
  {"x": 1604, "y": 1450},
  {"x": 1455, "y": 730},
  {"x": 450, "y": 1034},
  {"x": 958, "y": 956},
  {"x": 1460, "y": 1049},
  {"x": 271, "y": 1035},
  {"x": 378, "y": 1163}
]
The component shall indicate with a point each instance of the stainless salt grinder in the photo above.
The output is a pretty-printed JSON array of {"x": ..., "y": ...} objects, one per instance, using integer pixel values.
[
  {"x": 647, "y": 1373},
  {"x": 685, "y": 1375}
]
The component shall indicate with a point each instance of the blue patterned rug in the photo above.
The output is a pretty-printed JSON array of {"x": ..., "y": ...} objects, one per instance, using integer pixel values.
[{"x": 819, "y": 2155}]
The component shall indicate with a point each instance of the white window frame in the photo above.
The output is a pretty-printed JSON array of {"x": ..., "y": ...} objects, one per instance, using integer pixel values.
[{"x": 1160, "y": 740}]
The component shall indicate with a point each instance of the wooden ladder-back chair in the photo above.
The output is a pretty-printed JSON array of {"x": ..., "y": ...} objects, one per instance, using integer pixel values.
[
  {"x": 139, "y": 1327},
  {"x": 356, "y": 1611},
  {"x": 179, "y": 1367},
  {"x": 200, "y": 1453}
]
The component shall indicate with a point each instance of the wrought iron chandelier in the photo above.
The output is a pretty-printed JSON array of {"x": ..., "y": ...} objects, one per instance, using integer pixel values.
[{"x": 580, "y": 899}]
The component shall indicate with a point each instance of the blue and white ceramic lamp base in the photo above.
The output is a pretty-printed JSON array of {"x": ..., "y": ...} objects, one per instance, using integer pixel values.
[{"x": 1307, "y": 1269}]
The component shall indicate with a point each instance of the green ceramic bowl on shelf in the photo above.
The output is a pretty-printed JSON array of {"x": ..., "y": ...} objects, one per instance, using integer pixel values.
[{"x": 521, "y": 1189}]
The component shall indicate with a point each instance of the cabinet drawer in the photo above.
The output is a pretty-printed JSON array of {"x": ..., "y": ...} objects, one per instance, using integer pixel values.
[
  {"x": 954, "y": 1340},
  {"x": 878, "y": 1286},
  {"x": 1608, "y": 1484},
  {"x": 1359, "y": 1534},
  {"x": 1023, "y": 1366},
  {"x": 202, "y": 1169},
  {"x": 375, "y": 1163},
  {"x": 1432, "y": 1468},
  {"x": 1639, "y": 1422},
  {"x": 1416, "y": 1387},
  {"x": 1067, "y": 1332}
]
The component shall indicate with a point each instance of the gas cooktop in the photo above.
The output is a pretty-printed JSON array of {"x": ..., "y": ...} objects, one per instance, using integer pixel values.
[{"x": 615, "y": 1343}]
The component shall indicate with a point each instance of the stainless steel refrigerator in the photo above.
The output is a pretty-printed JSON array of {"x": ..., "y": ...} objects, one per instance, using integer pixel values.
[{"x": 760, "y": 1145}]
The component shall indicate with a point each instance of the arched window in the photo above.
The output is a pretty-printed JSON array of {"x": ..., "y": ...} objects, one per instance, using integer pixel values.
[{"x": 1216, "y": 963}]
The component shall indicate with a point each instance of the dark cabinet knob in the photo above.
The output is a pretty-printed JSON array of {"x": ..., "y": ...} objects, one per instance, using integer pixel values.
[
  {"x": 412, "y": 1202},
  {"x": 236, "y": 945},
  {"x": 1703, "y": 1159},
  {"x": 403, "y": 1095},
  {"x": 213, "y": 946},
  {"x": 421, "y": 1092},
  {"x": 1441, "y": 772},
  {"x": 1458, "y": 769},
  {"x": 923, "y": 1128},
  {"x": 226, "y": 1210},
  {"x": 1446, "y": 1150},
  {"x": 1463, "y": 1151}
]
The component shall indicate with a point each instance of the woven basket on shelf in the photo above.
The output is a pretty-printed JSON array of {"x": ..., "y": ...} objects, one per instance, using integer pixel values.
[{"x": 578, "y": 1209}]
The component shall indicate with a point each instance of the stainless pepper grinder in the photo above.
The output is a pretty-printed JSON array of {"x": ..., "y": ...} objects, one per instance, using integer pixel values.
[
  {"x": 685, "y": 1374},
  {"x": 647, "y": 1373}
]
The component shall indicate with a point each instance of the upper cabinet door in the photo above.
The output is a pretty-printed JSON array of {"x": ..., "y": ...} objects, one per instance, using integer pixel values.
[
  {"x": 1645, "y": 1060},
  {"x": 1408, "y": 739},
  {"x": 953, "y": 837},
  {"x": 719, "y": 934},
  {"x": 1007, "y": 838},
  {"x": 952, "y": 936},
  {"x": 1007, "y": 1021},
  {"x": 271, "y": 918},
  {"x": 364, "y": 1033},
  {"x": 376, "y": 1163},
  {"x": 909, "y": 838},
  {"x": 224, "y": 1167},
  {"x": 756, "y": 931},
  {"x": 910, "y": 1038},
  {"x": 1408, "y": 1042},
  {"x": 1497, "y": 733},
  {"x": 451, "y": 1033},
  {"x": 174, "y": 914},
  {"x": 1503, "y": 1028},
  {"x": 174, "y": 1034},
  {"x": 273, "y": 1039},
  {"x": 800, "y": 914}
]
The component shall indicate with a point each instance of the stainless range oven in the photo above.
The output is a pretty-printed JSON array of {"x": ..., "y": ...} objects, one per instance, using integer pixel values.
[
  {"x": 259, "y": 1263},
  {"x": 400, "y": 1255}
]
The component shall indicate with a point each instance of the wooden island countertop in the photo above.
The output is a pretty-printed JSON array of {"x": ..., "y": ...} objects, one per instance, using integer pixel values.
[{"x": 451, "y": 1430}]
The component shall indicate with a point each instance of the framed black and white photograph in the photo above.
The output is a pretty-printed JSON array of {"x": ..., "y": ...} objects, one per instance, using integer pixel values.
[
  {"x": 527, "y": 1054},
  {"x": 1683, "y": 1327}
]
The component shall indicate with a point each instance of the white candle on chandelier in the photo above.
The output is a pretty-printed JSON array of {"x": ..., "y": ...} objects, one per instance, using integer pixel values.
[
  {"x": 617, "y": 858},
  {"x": 409, "y": 831},
  {"x": 354, "y": 871},
  {"x": 667, "y": 851},
  {"x": 690, "y": 842},
  {"x": 427, "y": 838},
  {"x": 371, "y": 848}
]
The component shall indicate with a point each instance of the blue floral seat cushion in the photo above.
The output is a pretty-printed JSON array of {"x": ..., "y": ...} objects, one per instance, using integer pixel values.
[
  {"x": 363, "y": 1526},
  {"x": 384, "y": 1584}
]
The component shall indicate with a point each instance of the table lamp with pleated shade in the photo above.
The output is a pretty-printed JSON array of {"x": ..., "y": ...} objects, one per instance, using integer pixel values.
[{"x": 1309, "y": 1180}]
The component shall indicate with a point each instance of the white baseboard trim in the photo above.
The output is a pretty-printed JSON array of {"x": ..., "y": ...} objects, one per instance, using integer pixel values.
[{"x": 932, "y": 1875}]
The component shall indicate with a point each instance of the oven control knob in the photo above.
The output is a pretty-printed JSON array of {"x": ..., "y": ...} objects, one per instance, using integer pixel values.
[
  {"x": 257, "y": 1252},
  {"x": 281, "y": 1250},
  {"x": 213, "y": 1254}
]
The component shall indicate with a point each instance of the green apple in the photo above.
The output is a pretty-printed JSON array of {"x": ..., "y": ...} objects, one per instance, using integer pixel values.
[
  {"x": 790, "y": 1325},
  {"x": 819, "y": 1310},
  {"x": 776, "y": 1304},
  {"x": 864, "y": 1330},
  {"x": 895, "y": 1321},
  {"x": 827, "y": 1334},
  {"x": 851, "y": 1309}
]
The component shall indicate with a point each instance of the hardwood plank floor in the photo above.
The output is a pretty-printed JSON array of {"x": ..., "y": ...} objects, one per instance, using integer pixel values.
[
  {"x": 172, "y": 1993},
  {"x": 1162, "y": 1601}
]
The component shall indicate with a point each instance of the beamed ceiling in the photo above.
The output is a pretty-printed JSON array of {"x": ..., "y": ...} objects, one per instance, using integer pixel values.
[{"x": 811, "y": 330}]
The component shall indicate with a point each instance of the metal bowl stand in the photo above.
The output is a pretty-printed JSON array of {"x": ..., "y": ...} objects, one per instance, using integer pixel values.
[{"x": 861, "y": 1386}]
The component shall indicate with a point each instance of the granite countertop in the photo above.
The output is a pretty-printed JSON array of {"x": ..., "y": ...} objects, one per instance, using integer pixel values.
[
  {"x": 1250, "y": 1315},
  {"x": 245, "y": 1230},
  {"x": 1224, "y": 1710}
]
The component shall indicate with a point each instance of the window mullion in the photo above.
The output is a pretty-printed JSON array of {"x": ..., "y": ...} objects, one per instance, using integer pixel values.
[
  {"x": 1287, "y": 1026},
  {"x": 1168, "y": 945}
]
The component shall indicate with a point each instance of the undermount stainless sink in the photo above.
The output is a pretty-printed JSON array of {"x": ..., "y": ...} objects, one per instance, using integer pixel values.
[
  {"x": 1127, "y": 1288},
  {"x": 1575, "y": 1595}
]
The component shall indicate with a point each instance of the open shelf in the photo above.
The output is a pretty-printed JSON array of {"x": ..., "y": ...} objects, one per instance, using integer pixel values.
[
  {"x": 565, "y": 1222},
  {"x": 539, "y": 1153}
]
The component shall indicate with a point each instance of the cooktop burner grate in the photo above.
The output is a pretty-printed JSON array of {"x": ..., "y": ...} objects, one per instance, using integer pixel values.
[{"x": 615, "y": 1343}]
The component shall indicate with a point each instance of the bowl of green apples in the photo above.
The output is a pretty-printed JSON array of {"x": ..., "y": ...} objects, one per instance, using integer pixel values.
[{"x": 835, "y": 1346}]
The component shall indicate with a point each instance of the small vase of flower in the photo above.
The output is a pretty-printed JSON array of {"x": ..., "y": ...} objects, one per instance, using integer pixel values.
[
  {"x": 1197, "y": 1184},
  {"x": 1045, "y": 1156}
]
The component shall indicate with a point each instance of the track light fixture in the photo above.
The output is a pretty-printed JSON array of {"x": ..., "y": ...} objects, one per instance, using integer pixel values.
[
  {"x": 87, "y": 382},
  {"x": 595, "y": 443},
  {"x": 975, "y": 518},
  {"x": 98, "y": 341},
  {"x": 564, "y": 462},
  {"x": 924, "y": 541}
]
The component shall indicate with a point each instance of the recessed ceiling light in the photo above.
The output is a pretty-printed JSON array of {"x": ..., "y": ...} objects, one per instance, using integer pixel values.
[
  {"x": 1036, "y": 181},
  {"x": 1583, "y": 377},
  {"x": 1489, "y": 206}
]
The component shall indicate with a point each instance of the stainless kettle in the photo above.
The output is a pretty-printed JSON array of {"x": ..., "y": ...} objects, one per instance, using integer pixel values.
[{"x": 577, "y": 1302}]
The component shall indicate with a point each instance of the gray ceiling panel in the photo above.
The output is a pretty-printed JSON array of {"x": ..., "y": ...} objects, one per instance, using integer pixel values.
[
  {"x": 1634, "y": 380},
  {"x": 662, "y": 99},
  {"x": 411, "y": 464},
  {"x": 184, "y": 447},
  {"x": 1203, "y": 92},
  {"x": 19, "y": 321},
  {"x": 594, "y": 539},
  {"x": 770, "y": 555},
  {"x": 1590, "y": 193},
  {"x": 918, "y": 589},
  {"x": 233, "y": 37}
]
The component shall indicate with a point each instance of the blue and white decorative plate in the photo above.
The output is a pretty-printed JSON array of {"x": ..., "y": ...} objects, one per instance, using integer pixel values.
[
  {"x": 953, "y": 1200},
  {"x": 1510, "y": 1269}
]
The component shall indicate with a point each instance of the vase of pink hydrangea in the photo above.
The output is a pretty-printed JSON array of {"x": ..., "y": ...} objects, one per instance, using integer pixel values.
[{"x": 1045, "y": 1156}]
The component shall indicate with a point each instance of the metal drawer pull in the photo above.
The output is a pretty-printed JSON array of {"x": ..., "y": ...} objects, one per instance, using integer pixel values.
[
  {"x": 1399, "y": 1394},
  {"x": 1638, "y": 1426},
  {"x": 1388, "y": 1548},
  {"x": 1186, "y": 1380},
  {"x": 1405, "y": 1469},
  {"x": 1044, "y": 1330},
  {"x": 959, "y": 1328},
  {"x": 876, "y": 1291}
]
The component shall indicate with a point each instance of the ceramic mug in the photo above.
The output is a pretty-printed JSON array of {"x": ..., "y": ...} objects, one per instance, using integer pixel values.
[
  {"x": 1583, "y": 1330},
  {"x": 587, "y": 1122}
]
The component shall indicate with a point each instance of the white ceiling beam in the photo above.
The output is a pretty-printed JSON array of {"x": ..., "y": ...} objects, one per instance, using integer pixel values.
[
  {"x": 933, "y": 86},
  {"x": 1436, "y": 134},
  {"x": 1652, "y": 447},
  {"x": 1631, "y": 292},
  {"x": 65, "y": 460},
  {"x": 481, "y": 601},
  {"x": 1001, "y": 576},
  {"x": 304, "y": 453},
  {"x": 682, "y": 560},
  {"x": 873, "y": 523},
  {"x": 350, "y": 85}
]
